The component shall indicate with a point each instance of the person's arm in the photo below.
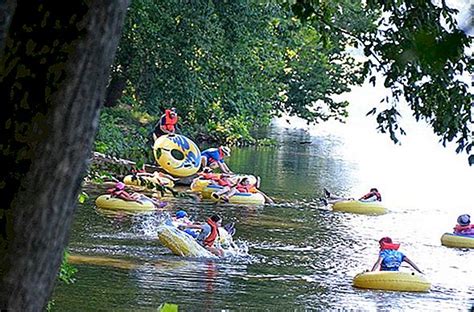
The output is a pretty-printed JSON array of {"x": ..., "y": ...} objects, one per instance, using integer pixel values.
[
  {"x": 267, "y": 198},
  {"x": 191, "y": 226},
  {"x": 377, "y": 264},
  {"x": 224, "y": 168},
  {"x": 412, "y": 264}
]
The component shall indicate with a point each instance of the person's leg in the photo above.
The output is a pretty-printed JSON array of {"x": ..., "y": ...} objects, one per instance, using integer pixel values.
[
  {"x": 268, "y": 200},
  {"x": 203, "y": 162},
  {"x": 229, "y": 194},
  {"x": 224, "y": 190}
]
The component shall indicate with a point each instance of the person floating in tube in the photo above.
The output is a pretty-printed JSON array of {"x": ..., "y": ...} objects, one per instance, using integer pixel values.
[
  {"x": 243, "y": 186},
  {"x": 118, "y": 191},
  {"x": 208, "y": 234},
  {"x": 167, "y": 124},
  {"x": 464, "y": 226},
  {"x": 390, "y": 258},
  {"x": 214, "y": 158},
  {"x": 372, "y": 196}
]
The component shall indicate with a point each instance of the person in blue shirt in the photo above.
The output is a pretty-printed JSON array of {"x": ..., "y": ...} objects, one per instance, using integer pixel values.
[
  {"x": 214, "y": 158},
  {"x": 390, "y": 258}
]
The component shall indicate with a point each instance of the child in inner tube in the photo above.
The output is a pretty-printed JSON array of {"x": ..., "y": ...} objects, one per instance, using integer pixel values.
[
  {"x": 464, "y": 226},
  {"x": 390, "y": 258}
]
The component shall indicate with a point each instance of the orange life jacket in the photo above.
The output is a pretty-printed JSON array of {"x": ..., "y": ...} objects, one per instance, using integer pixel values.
[
  {"x": 209, "y": 241},
  {"x": 170, "y": 121}
]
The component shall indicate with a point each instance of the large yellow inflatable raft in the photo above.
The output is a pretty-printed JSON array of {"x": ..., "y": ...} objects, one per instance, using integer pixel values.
[
  {"x": 142, "y": 180},
  {"x": 114, "y": 203},
  {"x": 391, "y": 280},
  {"x": 180, "y": 243},
  {"x": 456, "y": 240},
  {"x": 356, "y": 206},
  {"x": 177, "y": 155}
]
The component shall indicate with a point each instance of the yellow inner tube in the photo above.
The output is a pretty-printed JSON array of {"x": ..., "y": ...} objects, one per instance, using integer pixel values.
[
  {"x": 458, "y": 241},
  {"x": 177, "y": 155},
  {"x": 129, "y": 180},
  {"x": 356, "y": 206},
  {"x": 180, "y": 243},
  {"x": 391, "y": 280},
  {"x": 205, "y": 188},
  {"x": 114, "y": 203}
]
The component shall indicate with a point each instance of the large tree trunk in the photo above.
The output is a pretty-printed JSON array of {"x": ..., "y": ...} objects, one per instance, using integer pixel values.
[{"x": 53, "y": 75}]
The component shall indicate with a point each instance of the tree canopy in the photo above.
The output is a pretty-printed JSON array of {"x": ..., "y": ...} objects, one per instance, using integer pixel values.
[{"x": 230, "y": 66}]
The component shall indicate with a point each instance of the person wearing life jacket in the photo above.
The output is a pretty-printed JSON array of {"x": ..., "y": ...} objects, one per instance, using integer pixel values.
[
  {"x": 227, "y": 185},
  {"x": 167, "y": 124},
  {"x": 209, "y": 234},
  {"x": 207, "y": 174},
  {"x": 214, "y": 158},
  {"x": 372, "y": 195},
  {"x": 464, "y": 226},
  {"x": 119, "y": 192},
  {"x": 181, "y": 219},
  {"x": 330, "y": 198},
  {"x": 390, "y": 258}
]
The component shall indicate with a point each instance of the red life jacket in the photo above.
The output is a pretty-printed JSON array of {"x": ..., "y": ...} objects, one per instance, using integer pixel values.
[
  {"x": 209, "y": 241},
  {"x": 170, "y": 121},
  {"x": 223, "y": 182},
  {"x": 209, "y": 176},
  {"x": 463, "y": 228},
  {"x": 249, "y": 188},
  {"x": 370, "y": 194}
]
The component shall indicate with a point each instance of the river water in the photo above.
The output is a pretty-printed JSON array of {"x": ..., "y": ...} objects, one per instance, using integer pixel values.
[{"x": 301, "y": 256}]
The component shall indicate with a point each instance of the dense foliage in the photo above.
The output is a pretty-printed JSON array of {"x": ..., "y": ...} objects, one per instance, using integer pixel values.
[{"x": 230, "y": 66}]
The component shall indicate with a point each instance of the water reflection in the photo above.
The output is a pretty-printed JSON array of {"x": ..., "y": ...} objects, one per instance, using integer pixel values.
[{"x": 302, "y": 255}]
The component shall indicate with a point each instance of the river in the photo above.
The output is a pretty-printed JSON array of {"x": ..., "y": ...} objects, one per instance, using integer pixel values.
[{"x": 301, "y": 256}]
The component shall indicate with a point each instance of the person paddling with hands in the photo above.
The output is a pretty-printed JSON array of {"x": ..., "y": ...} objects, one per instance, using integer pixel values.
[
  {"x": 209, "y": 233},
  {"x": 214, "y": 158},
  {"x": 390, "y": 258},
  {"x": 372, "y": 196}
]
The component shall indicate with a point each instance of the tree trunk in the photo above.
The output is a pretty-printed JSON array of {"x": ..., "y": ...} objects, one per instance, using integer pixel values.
[
  {"x": 114, "y": 91},
  {"x": 53, "y": 75}
]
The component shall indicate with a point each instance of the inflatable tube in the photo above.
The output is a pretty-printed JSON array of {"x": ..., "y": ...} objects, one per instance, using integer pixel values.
[
  {"x": 180, "y": 243},
  {"x": 244, "y": 199},
  {"x": 392, "y": 280},
  {"x": 177, "y": 155},
  {"x": 458, "y": 241},
  {"x": 356, "y": 206},
  {"x": 199, "y": 185},
  {"x": 114, "y": 203},
  {"x": 238, "y": 198},
  {"x": 141, "y": 180}
]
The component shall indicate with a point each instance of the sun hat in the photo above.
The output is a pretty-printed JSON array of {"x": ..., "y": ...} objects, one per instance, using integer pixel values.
[
  {"x": 225, "y": 150},
  {"x": 464, "y": 219}
]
